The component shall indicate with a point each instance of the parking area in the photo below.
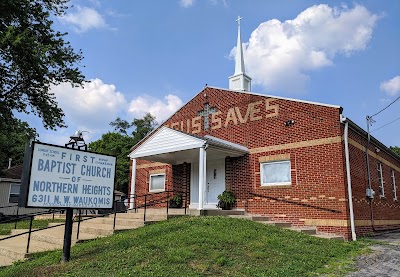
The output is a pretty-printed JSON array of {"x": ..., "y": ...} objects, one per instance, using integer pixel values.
[{"x": 383, "y": 261}]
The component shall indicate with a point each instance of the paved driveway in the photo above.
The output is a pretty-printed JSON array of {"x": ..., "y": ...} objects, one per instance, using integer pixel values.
[{"x": 383, "y": 261}]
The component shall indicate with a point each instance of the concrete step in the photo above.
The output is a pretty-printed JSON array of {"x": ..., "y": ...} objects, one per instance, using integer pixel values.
[
  {"x": 105, "y": 229},
  {"x": 329, "y": 236},
  {"x": 277, "y": 223},
  {"x": 216, "y": 212},
  {"x": 110, "y": 220},
  {"x": 260, "y": 218},
  {"x": 56, "y": 235},
  {"x": 6, "y": 261},
  {"x": 162, "y": 211},
  {"x": 15, "y": 248},
  {"x": 305, "y": 230},
  {"x": 247, "y": 217},
  {"x": 139, "y": 216}
]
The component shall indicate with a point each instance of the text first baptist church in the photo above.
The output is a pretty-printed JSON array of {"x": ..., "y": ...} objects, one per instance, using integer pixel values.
[{"x": 292, "y": 160}]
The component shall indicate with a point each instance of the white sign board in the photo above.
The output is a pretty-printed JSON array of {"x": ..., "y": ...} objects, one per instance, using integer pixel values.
[{"x": 68, "y": 178}]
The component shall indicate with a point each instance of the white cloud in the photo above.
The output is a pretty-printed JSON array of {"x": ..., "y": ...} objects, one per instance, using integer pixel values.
[
  {"x": 84, "y": 19},
  {"x": 392, "y": 86},
  {"x": 158, "y": 108},
  {"x": 186, "y": 3},
  {"x": 92, "y": 107},
  {"x": 279, "y": 54}
]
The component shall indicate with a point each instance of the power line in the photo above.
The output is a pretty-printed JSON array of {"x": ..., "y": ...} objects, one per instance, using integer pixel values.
[
  {"x": 385, "y": 107},
  {"x": 385, "y": 125}
]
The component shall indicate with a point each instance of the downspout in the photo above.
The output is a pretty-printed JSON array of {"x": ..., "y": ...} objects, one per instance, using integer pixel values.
[{"x": 349, "y": 190}]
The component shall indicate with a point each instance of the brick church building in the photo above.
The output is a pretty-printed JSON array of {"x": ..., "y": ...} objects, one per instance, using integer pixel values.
[{"x": 295, "y": 161}]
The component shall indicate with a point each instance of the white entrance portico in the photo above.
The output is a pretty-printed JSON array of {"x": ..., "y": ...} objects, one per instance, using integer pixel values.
[{"x": 205, "y": 154}]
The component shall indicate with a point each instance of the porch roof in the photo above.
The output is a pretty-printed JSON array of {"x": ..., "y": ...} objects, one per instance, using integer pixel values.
[{"x": 175, "y": 147}]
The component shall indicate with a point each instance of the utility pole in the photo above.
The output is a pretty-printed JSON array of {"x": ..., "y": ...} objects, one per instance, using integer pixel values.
[{"x": 369, "y": 122}]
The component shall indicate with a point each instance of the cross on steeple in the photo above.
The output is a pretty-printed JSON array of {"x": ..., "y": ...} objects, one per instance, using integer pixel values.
[
  {"x": 205, "y": 113},
  {"x": 238, "y": 20}
]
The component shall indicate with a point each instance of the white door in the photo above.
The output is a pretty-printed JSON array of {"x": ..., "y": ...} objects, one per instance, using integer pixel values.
[
  {"x": 215, "y": 180},
  {"x": 215, "y": 184}
]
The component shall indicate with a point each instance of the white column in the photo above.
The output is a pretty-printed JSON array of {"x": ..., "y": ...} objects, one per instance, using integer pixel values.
[
  {"x": 133, "y": 183},
  {"x": 205, "y": 174},
  {"x": 202, "y": 170}
]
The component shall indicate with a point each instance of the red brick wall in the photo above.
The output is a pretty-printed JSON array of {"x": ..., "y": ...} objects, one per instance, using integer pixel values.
[
  {"x": 312, "y": 121},
  {"x": 384, "y": 210}
]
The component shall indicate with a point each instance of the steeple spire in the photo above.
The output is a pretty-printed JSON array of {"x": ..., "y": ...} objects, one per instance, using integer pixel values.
[
  {"x": 239, "y": 65},
  {"x": 239, "y": 81}
]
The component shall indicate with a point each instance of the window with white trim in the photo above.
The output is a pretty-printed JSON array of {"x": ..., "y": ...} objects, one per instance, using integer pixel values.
[
  {"x": 157, "y": 182},
  {"x": 380, "y": 180},
  {"x": 14, "y": 193},
  {"x": 275, "y": 173},
  {"x": 393, "y": 184}
]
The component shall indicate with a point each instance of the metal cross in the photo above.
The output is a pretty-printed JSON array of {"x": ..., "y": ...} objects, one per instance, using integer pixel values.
[
  {"x": 205, "y": 113},
  {"x": 238, "y": 20}
]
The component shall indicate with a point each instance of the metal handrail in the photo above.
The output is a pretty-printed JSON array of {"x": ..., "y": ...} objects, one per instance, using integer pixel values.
[
  {"x": 146, "y": 204},
  {"x": 27, "y": 215},
  {"x": 184, "y": 195},
  {"x": 9, "y": 206}
]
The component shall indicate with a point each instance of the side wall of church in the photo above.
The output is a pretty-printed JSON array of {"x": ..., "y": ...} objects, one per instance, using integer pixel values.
[{"x": 383, "y": 212}]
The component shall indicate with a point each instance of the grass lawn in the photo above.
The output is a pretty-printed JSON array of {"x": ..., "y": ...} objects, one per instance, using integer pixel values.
[
  {"x": 5, "y": 228},
  {"x": 198, "y": 246}
]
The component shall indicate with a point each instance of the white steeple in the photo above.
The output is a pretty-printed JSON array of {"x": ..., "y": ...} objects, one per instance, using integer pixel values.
[{"x": 239, "y": 81}]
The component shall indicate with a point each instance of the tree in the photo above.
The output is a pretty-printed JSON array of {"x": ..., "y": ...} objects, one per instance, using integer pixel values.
[
  {"x": 33, "y": 57},
  {"x": 395, "y": 149},
  {"x": 13, "y": 139},
  {"x": 119, "y": 144},
  {"x": 141, "y": 126}
]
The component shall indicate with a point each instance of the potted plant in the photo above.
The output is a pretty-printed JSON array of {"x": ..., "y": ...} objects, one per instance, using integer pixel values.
[
  {"x": 176, "y": 201},
  {"x": 226, "y": 200}
]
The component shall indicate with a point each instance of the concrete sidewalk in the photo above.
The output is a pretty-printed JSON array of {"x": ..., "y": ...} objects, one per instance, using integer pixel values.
[{"x": 384, "y": 261}]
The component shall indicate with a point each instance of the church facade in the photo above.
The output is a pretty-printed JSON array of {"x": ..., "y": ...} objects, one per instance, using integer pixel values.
[{"x": 292, "y": 160}]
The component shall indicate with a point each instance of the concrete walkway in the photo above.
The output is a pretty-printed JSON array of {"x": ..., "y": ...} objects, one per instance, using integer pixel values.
[{"x": 384, "y": 261}]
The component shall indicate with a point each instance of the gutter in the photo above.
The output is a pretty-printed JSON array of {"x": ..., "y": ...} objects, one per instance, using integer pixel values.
[{"x": 349, "y": 190}]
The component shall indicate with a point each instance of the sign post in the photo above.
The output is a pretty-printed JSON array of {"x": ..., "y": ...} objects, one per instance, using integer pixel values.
[
  {"x": 75, "y": 141},
  {"x": 69, "y": 177}
]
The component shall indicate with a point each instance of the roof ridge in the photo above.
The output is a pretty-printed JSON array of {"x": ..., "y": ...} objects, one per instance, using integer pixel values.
[{"x": 279, "y": 97}]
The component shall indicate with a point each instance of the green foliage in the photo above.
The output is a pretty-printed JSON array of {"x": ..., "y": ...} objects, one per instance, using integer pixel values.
[
  {"x": 141, "y": 127},
  {"x": 117, "y": 145},
  {"x": 395, "y": 149},
  {"x": 226, "y": 200},
  {"x": 120, "y": 143},
  {"x": 176, "y": 201},
  {"x": 13, "y": 137},
  {"x": 197, "y": 246},
  {"x": 33, "y": 57}
]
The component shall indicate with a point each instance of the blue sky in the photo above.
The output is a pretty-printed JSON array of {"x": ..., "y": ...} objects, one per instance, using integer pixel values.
[{"x": 156, "y": 55}]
